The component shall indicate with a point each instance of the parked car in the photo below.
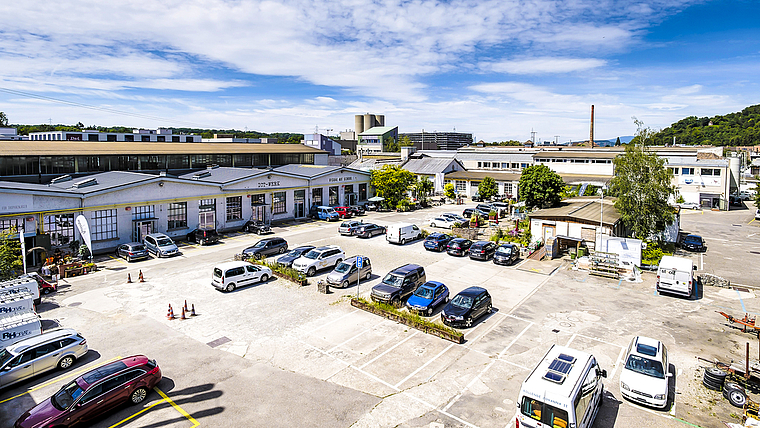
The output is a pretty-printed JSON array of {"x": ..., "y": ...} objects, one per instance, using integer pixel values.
[
  {"x": 371, "y": 206},
  {"x": 427, "y": 297},
  {"x": 343, "y": 212},
  {"x": 436, "y": 241},
  {"x": 256, "y": 226},
  {"x": 501, "y": 207},
  {"x": 399, "y": 284},
  {"x": 203, "y": 236},
  {"x": 689, "y": 206},
  {"x": 694, "y": 243},
  {"x": 482, "y": 250},
  {"x": 228, "y": 276},
  {"x": 746, "y": 195},
  {"x": 456, "y": 218},
  {"x": 357, "y": 210},
  {"x": 368, "y": 230},
  {"x": 267, "y": 247},
  {"x": 757, "y": 214},
  {"x": 347, "y": 273},
  {"x": 467, "y": 213},
  {"x": 349, "y": 227},
  {"x": 323, "y": 213},
  {"x": 487, "y": 208},
  {"x": 646, "y": 373},
  {"x": 466, "y": 307},
  {"x": 160, "y": 245},
  {"x": 458, "y": 247},
  {"x": 476, "y": 197},
  {"x": 95, "y": 393},
  {"x": 401, "y": 233},
  {"x": 132, "y": 251},
  {"x": 44, "y": 286},
  {"x": 54, "y": 349},
  {"x": 446, "y": 223},
  {"x": 318, "y": 259},
  {"x": 287, "y": 259},
  {"x": 735, "y": 201},
  {"x": 506, "y": 254}
]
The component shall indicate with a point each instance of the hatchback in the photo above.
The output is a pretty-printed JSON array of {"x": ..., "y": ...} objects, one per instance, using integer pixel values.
[
  {"x": 203, "y": 236},
  {"x": 52, "y": 349},
  {"x": 482, "y": 250},
  {"x": 458, "y": 247},
  {"x": 436, "y": 242},
  {"x": 368, "y": 230},
  {"x": 357, "y": 209},
  {"x": 267, "y": 247},
  {"x": 346, "y": 273},
  {"x": 349, "y": 227},
  {"x": 160, "y": 245},
  {"x": 427, "y": 297},
  {"x": 95, "y": 393},
  {"x": 228, "y": 276},
  {"x": 694, "y": 243},
  {"x": 646, "y": 373},
  {"x": 466, "y": 307},
  {"x": 506, "y": 254},
  {"x": 132, "y": 251},
  {"x": 287, "y": 259},
  {"x": 343, "y": 212},
  {"x": 444, "y": 222}
]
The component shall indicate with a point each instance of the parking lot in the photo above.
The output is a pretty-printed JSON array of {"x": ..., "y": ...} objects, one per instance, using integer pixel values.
[{"x": 276, "y": 354}]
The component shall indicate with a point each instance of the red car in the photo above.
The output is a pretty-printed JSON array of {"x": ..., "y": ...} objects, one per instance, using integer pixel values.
[
  {"x": 95, "y": 393},
  {"x": 344, "y": 212}
]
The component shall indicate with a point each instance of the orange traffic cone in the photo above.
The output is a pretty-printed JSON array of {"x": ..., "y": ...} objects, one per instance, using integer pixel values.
[
  {"x": 192, "y": 311},
  {"x": 129, "y": 279},
  {"x": 170, "y": 315},
  {"x": 183, "y": 317},
  {"x": 142, "y": 279},
  {"x": 186, "y": 309}
]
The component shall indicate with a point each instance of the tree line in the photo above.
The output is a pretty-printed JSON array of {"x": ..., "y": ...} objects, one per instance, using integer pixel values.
[{"x": 733, "y": 129}]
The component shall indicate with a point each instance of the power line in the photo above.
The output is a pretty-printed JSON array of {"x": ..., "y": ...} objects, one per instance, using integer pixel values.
[{"x": 103, "y": 109}]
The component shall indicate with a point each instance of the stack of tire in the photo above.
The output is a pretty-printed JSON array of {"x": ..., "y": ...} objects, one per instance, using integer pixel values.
[
  {"x": 735, "y": 394},
  {"x": 715, "y": 379}
]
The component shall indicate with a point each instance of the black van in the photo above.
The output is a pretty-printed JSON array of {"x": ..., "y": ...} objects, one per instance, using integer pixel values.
[{"x": 399, "y": 284}]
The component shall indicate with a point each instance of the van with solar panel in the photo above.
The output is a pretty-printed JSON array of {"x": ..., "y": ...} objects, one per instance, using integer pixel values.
[{"x": 564, "y": 391}]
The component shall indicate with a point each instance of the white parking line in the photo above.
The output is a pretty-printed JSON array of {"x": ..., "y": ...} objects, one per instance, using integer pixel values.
[
  {"x": 501, "y": 354},
  {"x": 424, "y": 365},
  {"x": 617, "y": 363},
  {"x": 330, "y": 322},
  {"x": 388, "y": 350},
  {"x": 487, "y": 330},
  {"x": 571, "y": 340},
  {"x": 514, "y": 364},
  {"x": 362, "y": 333}
]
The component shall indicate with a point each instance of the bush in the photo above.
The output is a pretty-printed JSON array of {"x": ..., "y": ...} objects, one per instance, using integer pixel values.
[
  {"x": 404, "y": 205},
  {"x": 424, "y": 233},
  {"x": 414, "y": 319},
  {"x": 653, "y": 253},
  {"x": 289, "y": 272}
]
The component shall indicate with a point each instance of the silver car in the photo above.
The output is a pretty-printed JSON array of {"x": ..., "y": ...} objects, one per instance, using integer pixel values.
[
  {"x": 58, "y": 348},
  {"x": 346, "y": 273},
  {"x": 160, "y": 245}
]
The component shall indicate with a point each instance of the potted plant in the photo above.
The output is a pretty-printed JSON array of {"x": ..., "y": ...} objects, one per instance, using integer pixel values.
[{"x": 474, "y": 220}]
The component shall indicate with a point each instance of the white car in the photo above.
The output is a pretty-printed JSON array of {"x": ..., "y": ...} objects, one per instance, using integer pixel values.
[
  {"x": 646, "y": 374},
  {"x": 444, "y": 222},
  {"x": 757, "y": 215},
  {"x": 689, "y": 206},
  {"x": 319, "y": 258}
]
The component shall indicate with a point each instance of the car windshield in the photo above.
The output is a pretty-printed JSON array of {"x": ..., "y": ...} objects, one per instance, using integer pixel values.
[
  {"x": 462, "y": 301},
  {"x": 296, "y": 253},
  {"x": 393, "y": 280},
  {"x": 259, "y": 244},
  {"x": 424, "y": 292},
  {"x": 343, "y": 267},
  {"x": 140, "y": 247},
  {"x": 330, "y": 211},
  {"x": 5, "y": 356},
  {"x": 64, "y": 398},
  {"x": 313, "y": 254},
  {"x": 345, "y": 224},
  {"x": 504, "y": 250},
  {"x": 645, "y": 366},
  {"x": 162, "y": 242},
  {"x": 693, "y": 239}
]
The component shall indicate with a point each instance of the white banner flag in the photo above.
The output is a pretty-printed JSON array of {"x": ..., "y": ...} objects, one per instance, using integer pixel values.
[
  {"x": 84, "y": 231},
  {"x": 23, "y": 248}
]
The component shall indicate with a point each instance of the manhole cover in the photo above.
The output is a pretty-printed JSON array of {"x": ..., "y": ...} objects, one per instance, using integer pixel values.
[
  {"x": 221, "y": 341},
  {"x": 75, "y": 304}
]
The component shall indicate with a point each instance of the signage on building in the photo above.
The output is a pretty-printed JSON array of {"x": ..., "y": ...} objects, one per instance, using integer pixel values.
[
  {"x": 339, "y": 179},
  {"x": 73, "y": 137},
  {"x": 264, "y": 184}
]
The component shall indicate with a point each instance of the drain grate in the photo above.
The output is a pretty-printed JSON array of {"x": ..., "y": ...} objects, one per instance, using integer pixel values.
[
  {"x": 221, "y": 341},
  {"x": 742, "y": 289}
]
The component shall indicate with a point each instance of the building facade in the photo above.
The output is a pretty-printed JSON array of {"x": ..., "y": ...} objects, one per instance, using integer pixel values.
[
  {"x": 438, "y": 140},
  {"x": 160, "y": 135}
]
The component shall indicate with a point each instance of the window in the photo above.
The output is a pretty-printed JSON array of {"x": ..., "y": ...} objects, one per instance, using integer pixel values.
[
  {"x": 461, "y": 186},
  {"x": 145, "y": 138},
  {"x": 258, "y": 199},
  {"x": 546, "y": 414},
  {"x": 161, "y": 138},
  {"x": 480, "y": 164},
  {"x": 333, "y": 195},
  {"x": 175, "y": 138},
  {"x": 177, "y": 215},
  {"x": 60, "y": 227},
  {"x": 494, "y": 164},
  {"x": 7, "y": 224},
  {"x": 278, "y": 203},
  {"x": 523, "y": 165},
  {"x": 234, "y": 208},
  {"x": 188, "y": 139},
  {"x": 674, "y": 170},
  {"x": 504, "y": 165},
  {"x": 508, "y": 189},
  {"x": 362, "y": 191},
  {"x": 129, "y": 138},
  {"x": 316, "y": 196},
  {"x": 110, "y": 137},
  {"x": 486, "y": 164},
  {"x": 145, "y": 212},
  {"x": 706, "y": 171},
  {"x": 515, "y": 165},
  {"x": 206, "y": 205},
  {"x": 104, "y": 225},
  {"x": 687, "y": 171}
]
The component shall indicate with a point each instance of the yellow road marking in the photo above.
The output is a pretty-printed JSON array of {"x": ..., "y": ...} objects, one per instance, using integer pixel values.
[
  {"x": 58, "y": 379},
  {"x": 138, "y": 413},
  {"x": 179, "y": 409},
  {"x": 119, "y": 259}
]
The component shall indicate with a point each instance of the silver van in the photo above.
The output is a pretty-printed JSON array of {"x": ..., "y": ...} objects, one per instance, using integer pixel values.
[
  {"x": 346, "y": 273},
  {"x": 160, "y": 245},
  {"x": 53, "y": 349}
]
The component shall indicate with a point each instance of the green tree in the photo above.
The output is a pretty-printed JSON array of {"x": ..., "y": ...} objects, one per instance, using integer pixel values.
[
  {"x": 488, "y": 188},
  {"x": 406, "y": 142},
  {"x": 3, "y": 119},
  {"x": 643, "y": 187},
  {"x": 757, "y": 196},
  {"x": 392, "y": 182},
  {"x": 390, "y": 145},
  {"x": 540, "y": 186},
  {"x": 10, "y": 253},
  {"x": 448, "y": 191},
  {"x": 423, "y": 186}
]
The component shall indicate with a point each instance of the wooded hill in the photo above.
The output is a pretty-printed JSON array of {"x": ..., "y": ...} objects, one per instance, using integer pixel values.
[{"x": 733, "y": 129}]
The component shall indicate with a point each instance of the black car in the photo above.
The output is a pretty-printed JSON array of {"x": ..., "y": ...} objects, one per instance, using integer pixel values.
[
  {"x": 476, "y": 197},
  {"x": 466, "y": 307},
  {"x": 203, "y": 236},
  {"x": 467, "y": 213},
  {"x": 506, "y": 254},
  {"x": 267, "y": 247},
  {"x": 482, "y": 250},
  {"x": 132, "y": 251},
  {"x": 257, "y": 226},
  {"x": 368, "y": 230},
  {"x": 436, "y": 241},
  {"x": 357, "y": 209},
  {"x": 694, "y": 243},
  {"x": 295, "y": 253},
  {"x": 458, "y": 247},
  {"x": 399, "y": 284}
]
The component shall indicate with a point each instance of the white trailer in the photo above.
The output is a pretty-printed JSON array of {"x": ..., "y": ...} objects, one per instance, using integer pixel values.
[
  {"x": 14, "y": 303},
  {"x": 675, "y": 275},
  {"x": 19, "y": 326},
  {"x": 21, "y": 285}
]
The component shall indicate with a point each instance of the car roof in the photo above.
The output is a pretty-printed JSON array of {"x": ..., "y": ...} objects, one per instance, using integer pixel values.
[
  {"x": 472, "y": 291},
  {"x": 437, "y": 235},
  {"x": 58, "y": 333},
  {"x": 480, "y": 243},
  {"x": 411, "y": 267},
  {"x": 112, "y": 368},
  {"x": 648, "y": 342},
  {"x": 693, "y": 236},
  {"x": 460, "y": 239},
  {"x": 157, "y": 235},
  {"x": 507, "y": 244},
  {"x": 271, "y": 238},
  {"x": 304, "y": 247},
  {"x": 433, "y": 284},
  {"x": 132, "y": 244},
  {"x": 232, "y": 264},
  {"x": 327, "y": 247}
]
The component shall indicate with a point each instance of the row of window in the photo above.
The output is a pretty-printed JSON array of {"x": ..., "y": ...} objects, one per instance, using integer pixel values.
[
  {"x": 111, "y": 137},
  {"x": 502, "y": 165},
  {"x": 690, "y": 171},
  {"x": 605, "y": 161}
]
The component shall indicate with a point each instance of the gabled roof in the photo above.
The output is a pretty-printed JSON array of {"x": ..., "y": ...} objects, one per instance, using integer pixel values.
[
  {"x": 428, "y": 166},
  {"x": 378, "y": 130},
  {"x": 584, "y": 210},
  {"x": 223, "y": 174}
]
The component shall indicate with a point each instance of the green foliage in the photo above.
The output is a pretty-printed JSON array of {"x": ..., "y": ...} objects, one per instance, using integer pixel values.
[
  {"x": 424, "y": 233},
  {"x": 488, "y": 188},
  {"x": 404, "y": 205},
  {"x": 680, "y": 199},
  {"x": 390, "y": 145},
  {"x": 653, "y": 253},
  {"x": 10, "y": 254},
  {"x": 733, "y": 129},
  {"x": 591, "y": 190},
  {"x": 540, "y": 186},
  {"x": 405, "y": 142},
  {"x": 448, "y": 191},
  {"x": 414, "y": 320},
  {"x": 643, "y": 187},
  {"x": 757, "y": 196},
  {"x": 289, "y": 272},
  {"x": 84, "y": 252},
  {"x": 392, "y": 182},
  {"x": 3, "y": 119},
  {"x": 504, "y": 143},
  {"x": 423, "y": 186}
]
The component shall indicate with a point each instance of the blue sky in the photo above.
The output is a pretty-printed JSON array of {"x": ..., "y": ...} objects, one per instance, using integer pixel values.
[{"x": 496, "y": 68}]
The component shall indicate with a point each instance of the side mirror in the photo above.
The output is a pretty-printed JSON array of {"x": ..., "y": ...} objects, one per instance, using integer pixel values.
[
  {"x": 668, "y": 374},
  {"x": 604, "y": 373},
  {"x": 693, "y": 267}
]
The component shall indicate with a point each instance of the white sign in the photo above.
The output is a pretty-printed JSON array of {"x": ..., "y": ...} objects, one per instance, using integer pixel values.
[
  {"x": 84, "y": 231},
  {"x": 23, "y": 248}
]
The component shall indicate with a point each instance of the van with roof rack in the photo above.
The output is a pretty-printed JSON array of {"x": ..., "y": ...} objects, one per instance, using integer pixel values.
[{"x": 564, "y": 390}]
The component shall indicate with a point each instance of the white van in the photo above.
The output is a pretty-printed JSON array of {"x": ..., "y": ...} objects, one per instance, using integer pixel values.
[
  {"x": 564, "y": 390},
  {"x": 230, "y": 275},
  {"x": 23, "y": 284},
  {"x": 14, "y": 303},
  {"x": 675, "y": 275},
  {"x": 400, "y": 233},
  {"x": 19, "y": 326}
]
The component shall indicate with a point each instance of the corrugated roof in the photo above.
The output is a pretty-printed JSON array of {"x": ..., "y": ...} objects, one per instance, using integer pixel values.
[
  {"x": 104, "y": 180},
  {"x": 583, "y": 210},
  {"x": 427, "y": 166},
  {"x": 83, "y": 148},
  {"x": 480, "y": 175},
  {"x": 306, "y": 170},
  {"x": 223, "y": 174},
  {"x": 378, "y": 130}
]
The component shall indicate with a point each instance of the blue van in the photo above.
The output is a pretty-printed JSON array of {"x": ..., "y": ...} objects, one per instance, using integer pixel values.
[{"x": 323, "y": 213}]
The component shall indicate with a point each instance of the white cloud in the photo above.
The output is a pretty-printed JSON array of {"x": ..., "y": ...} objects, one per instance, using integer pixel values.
[{"x": 545, "y": 65}]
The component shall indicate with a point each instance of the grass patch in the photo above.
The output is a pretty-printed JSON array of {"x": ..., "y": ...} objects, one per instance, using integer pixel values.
[{"x": 410, "y": 319}]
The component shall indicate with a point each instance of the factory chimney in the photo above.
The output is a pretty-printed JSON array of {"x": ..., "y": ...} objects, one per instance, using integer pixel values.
[{"x": 591, "y": 136}]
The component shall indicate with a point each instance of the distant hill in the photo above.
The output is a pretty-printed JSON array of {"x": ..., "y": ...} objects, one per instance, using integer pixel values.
[{"x": 733, "y": 129}]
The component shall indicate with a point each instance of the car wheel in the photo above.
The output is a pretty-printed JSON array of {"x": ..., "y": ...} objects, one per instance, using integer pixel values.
[
  {"x": 429, "y": 312},
  {"x": 396, "y": 302},
  {"x": 468, "y": 322},
  {"x": 368, "y": 276},
  {"x": 264, "y": 278},
  {"x": 311, "y": 271},
  {"x": 230, "y": 287},
  {"x": 338, "y": 262},
  {"x": 344, "y": 284},
  {"x": 138, "y": 395},
  {"x": 489, "y": 309},
  {"x": 46, "y": 291},
  {"x": 432, "y": 224},
  {"x": 403, "y": 241},
  {"x": 129, "y": 259},
  {"x": 282, "y": 250},
  {"x": 65, "y": 362}
]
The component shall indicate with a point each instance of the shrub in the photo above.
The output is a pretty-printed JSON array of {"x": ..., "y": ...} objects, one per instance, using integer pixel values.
[
  {"x": 404, "y": 205},
  {"x": 289, "y": 272},
  {"x": 414, "y": 319},
  {"x": 424, "y": 233},
  {"x": 653, "y": 253}
]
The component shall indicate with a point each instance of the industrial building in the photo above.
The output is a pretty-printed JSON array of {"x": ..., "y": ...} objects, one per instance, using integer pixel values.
[{"x": 438, "y": 140}]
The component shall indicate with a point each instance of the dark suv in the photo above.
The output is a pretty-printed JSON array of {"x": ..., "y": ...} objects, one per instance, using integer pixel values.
[
  {"x": 482, "y": 250},
  {"x": 436, "y": 242},
  {"x": 694, "y": 243},
  {"x": 203, "y": 236},
  {"x": 399, "y": 284},
  {"x": 267, "y": 247},
  {"x": 467, "y": 306}
]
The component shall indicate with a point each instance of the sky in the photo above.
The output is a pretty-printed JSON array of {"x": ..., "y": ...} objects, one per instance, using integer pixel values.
[{"x": 498, "y": 69}]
